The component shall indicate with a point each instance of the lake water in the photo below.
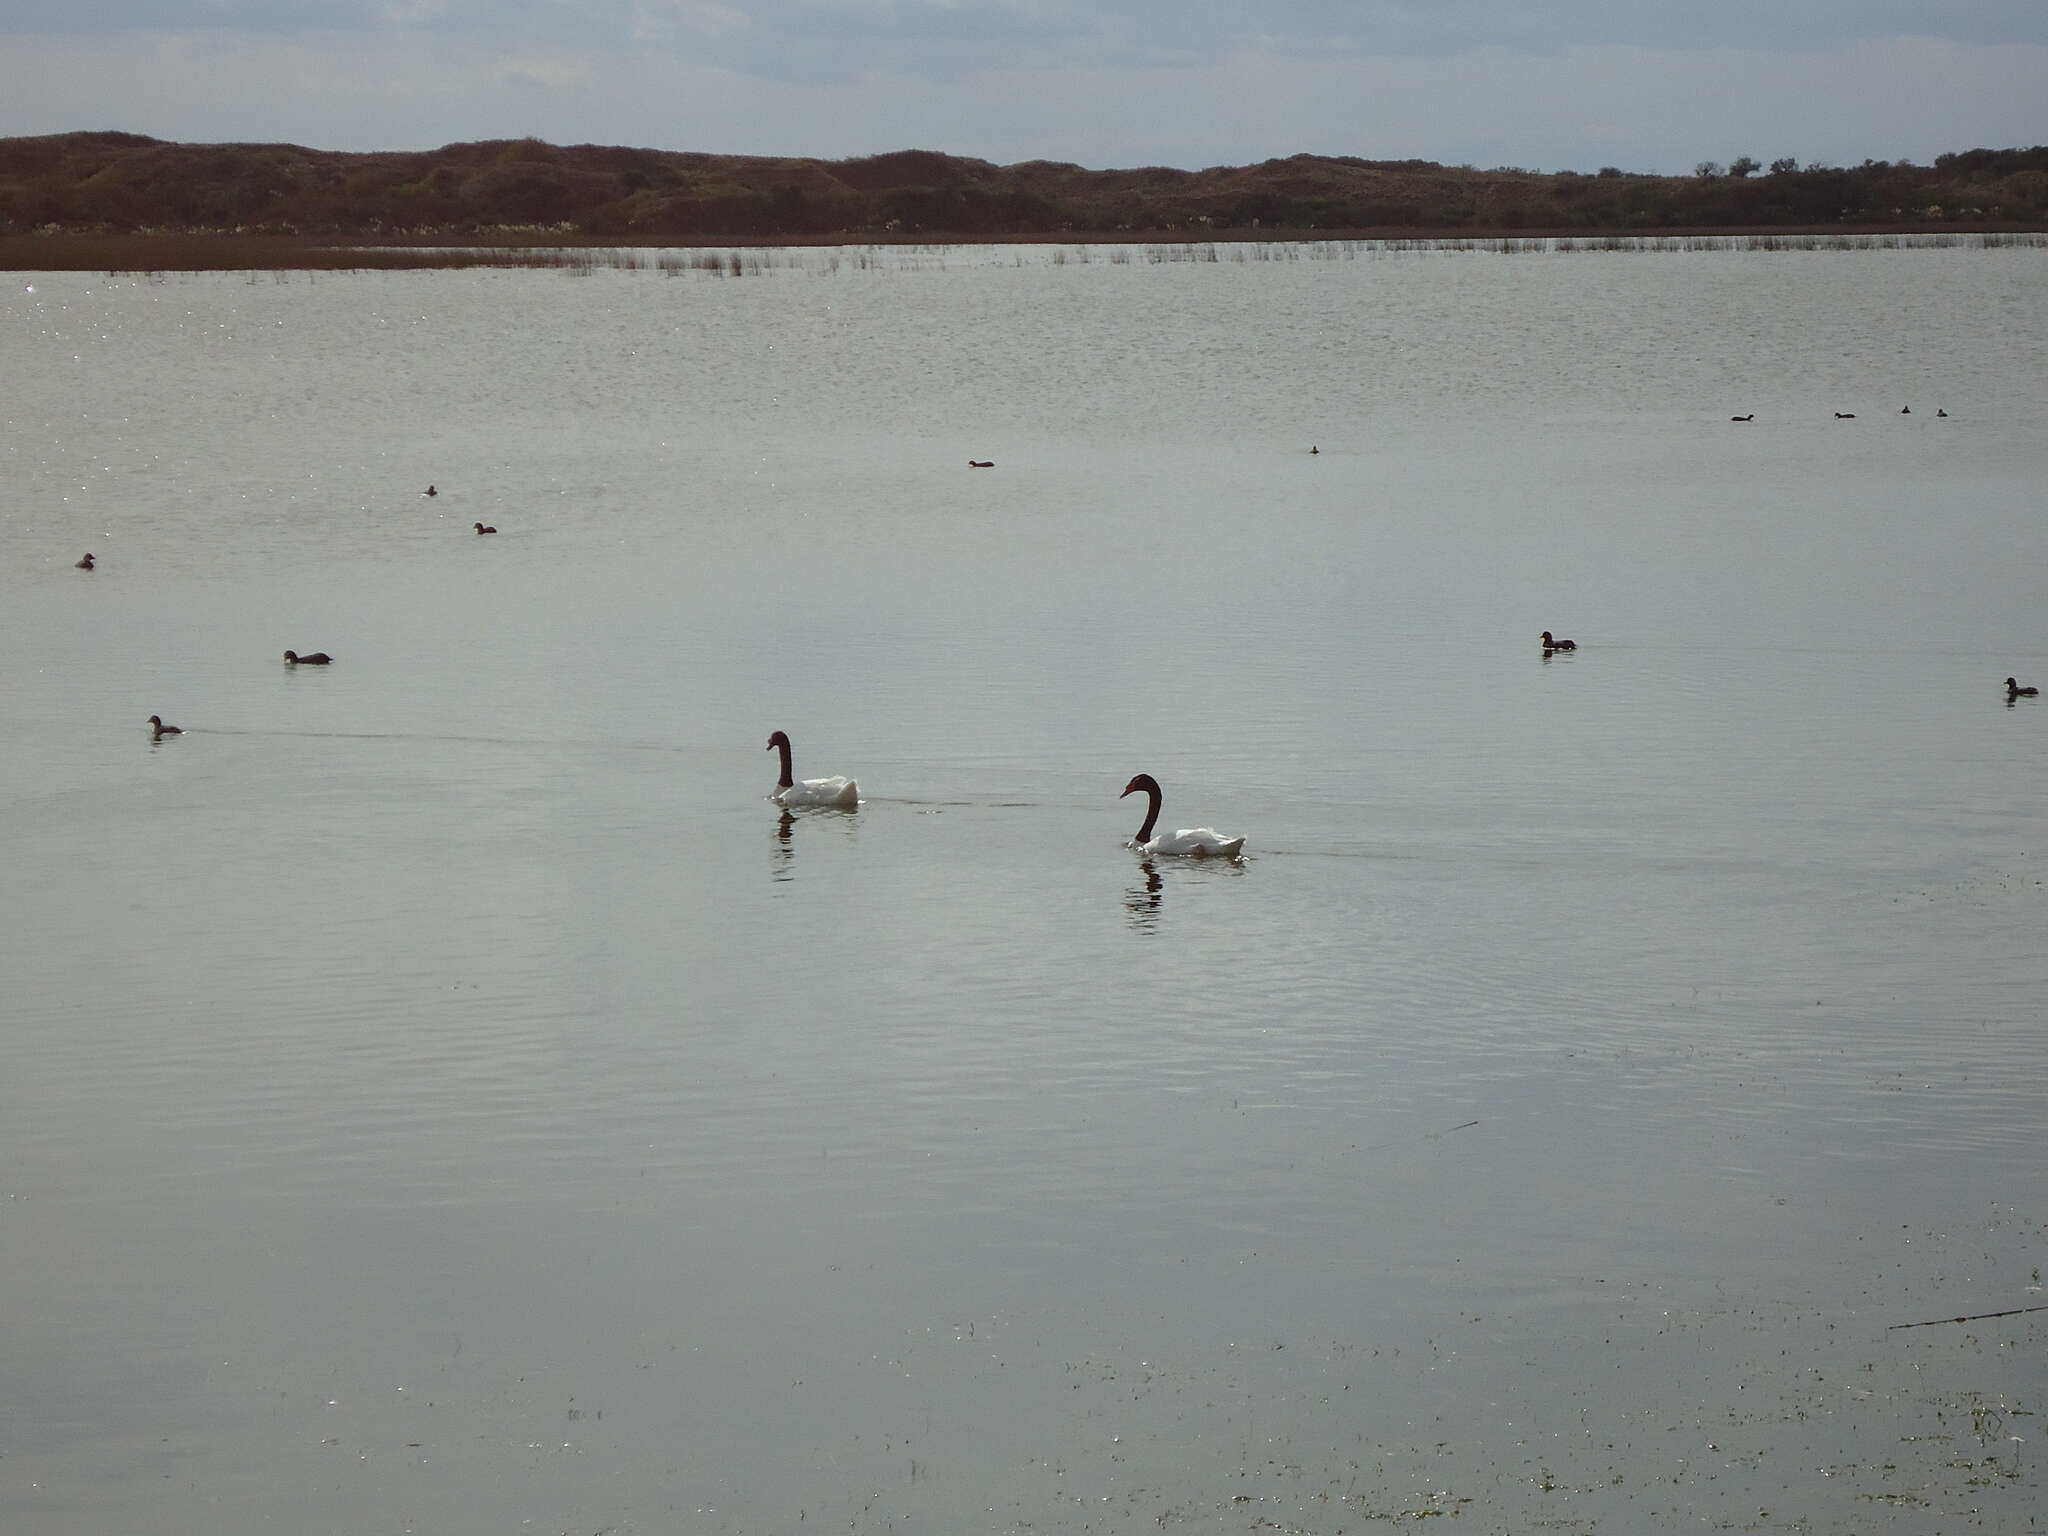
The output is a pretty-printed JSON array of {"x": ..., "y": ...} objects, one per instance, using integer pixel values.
[{"x": 443, "y": 1094}]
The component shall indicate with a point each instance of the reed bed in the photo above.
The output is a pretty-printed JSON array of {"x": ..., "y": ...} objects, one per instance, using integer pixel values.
[{"x": 151, "y": 254}]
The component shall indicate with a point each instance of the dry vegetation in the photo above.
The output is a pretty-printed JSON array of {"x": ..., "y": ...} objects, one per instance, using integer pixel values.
[{"x": 79, "y": 199}]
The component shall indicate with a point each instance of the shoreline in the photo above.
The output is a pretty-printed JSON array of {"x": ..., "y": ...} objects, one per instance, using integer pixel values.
[{"x": 526, "y": 247}]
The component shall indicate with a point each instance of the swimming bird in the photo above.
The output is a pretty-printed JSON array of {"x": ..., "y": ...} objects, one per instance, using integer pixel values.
[
  {"x": 317, "y": 659},
  {"x": 1942, "y": 414},
  {"x": 2014, "y": 691},
  {"x": 839, "y": 793},
  {"x": 85, "y": 564},
  {"x": 1558, "y": 645},
  {"x": 158, "y": 730},
  {"x": 1905, "y": 410},
  {"x": 481, "y": 528},
  {"x": 1750, "y": 417},
  {"x": 1198, "y": 842},
  {"x": 981, "y": 463},
  {"x": 1845, "y": 415},
  {"x": 430, "y": 491},
  {"x": 1312, "y": 448}
]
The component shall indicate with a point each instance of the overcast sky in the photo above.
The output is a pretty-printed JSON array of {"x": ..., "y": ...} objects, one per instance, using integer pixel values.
[{"x": 1652, "y": 85}]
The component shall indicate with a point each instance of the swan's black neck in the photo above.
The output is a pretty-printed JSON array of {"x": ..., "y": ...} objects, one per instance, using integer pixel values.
[
  {"x": 780, "y": 743},
  {"x": 1151, "y": 810}
]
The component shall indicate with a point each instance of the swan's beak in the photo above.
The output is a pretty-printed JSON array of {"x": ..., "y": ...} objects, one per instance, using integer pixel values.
[{"x": 1129, "y": 789}]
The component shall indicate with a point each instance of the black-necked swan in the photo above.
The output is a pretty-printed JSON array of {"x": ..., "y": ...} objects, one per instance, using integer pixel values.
[
  {"x": 1558, "y": 645},
  {"x": 2013, "y": 690},
  {"x": 83, "y": 565},
  {"x": 840, "y": 794},
  {"x": 317, "y": 659},
  {"x": 157, "y": 729},
  {"x": 1202, "y": 842}
]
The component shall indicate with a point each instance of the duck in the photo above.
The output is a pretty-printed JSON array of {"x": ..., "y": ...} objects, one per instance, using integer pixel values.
[
  {"x": 839, "y": 793},
  {"x": 1312, "y": 448},
  {"x": 2014, "y": 691},
  {"x": 1558, "y": 645},
  {"x": 1905, "y": 410},
  {"x": 1941, "y": 413},
  {"x": 85, "y": 564},
  {"x": 1750, "y": 417},
  {"x": 158, "y": 730},
  {"x": 1197, "y": 842},
  {"x": 317, "y": 659},
  {"x": 430, "y": 491},
  {"x": 1845, "y": 415},
  {"x": 981, "y": 463},
  {"x": 483, "y": 528}
]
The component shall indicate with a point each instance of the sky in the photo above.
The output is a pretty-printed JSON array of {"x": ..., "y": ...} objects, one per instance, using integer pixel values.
[{"x": 1646, "y": 85}]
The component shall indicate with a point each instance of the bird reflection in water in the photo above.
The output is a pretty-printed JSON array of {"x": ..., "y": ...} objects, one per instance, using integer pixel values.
[
  {"x": 1141, "y": 906},
  {"x": 785, "y": 847}
]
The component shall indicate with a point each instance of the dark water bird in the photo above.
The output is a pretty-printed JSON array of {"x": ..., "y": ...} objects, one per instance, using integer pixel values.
[
  {"x": 1312, "y": 448},
  {"x": 1558, "y": 645},
  {"x": 1200, "y": 842},
  {"x": 317, "y": 659},
  {"x": 981, "y": 463},
  {"x": 2014, "y": 691},
  {"x": 158, "y": 730},
  {"x": 1845, "y": 415},
  {"x": 430, "y": 491},
  {"x": 85, "y": 564},
  {"x": 481, "y": 528},
  {"x": 1750, "y": 417},
  {"x": 1942, "y": 414},
  {"x": 839, "y": 793},
  {"x": 1905, "y": 410}
]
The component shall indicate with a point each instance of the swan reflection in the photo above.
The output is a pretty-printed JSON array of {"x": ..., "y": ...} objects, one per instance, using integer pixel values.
[
  {"x": 785, "y": 847},
  {"x": 1141, "y": 904}
]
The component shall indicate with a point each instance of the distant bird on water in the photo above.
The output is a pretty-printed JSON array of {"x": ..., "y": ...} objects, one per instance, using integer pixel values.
[
  {"x": 85, "y": 564},
  {"x": 317, "y": 659},
  {"x": 1201, "y": 842},
  {"x": 1558, "y": 645},
  {"x": 838, "y": 793},
  {"x": 1845, "y": 415},
  {"x": 1905, "y": 410},
  {"x": 981, "y": 463},
  {"x": 430, "y": 491},
  {"x": 1942, "y": 414},
  {"x": 2014, "y": 691},
  {"x": 158, "y": 730},
  {"x": 1312, "y": 448},
  {"x": 1750, "y": 417},
  {"x": 481, "y": 528}
]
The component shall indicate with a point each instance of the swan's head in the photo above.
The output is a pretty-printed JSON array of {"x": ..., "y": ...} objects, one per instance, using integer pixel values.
[
  {"x": 2012, "y": 682},
  {"x": 1144, "y": 783},
  {"x": 291, "y": 655},
  {"x": 156, "y": 720},
  {"x": 779, "y": 739},
  {"x": 1546, "y": 637}
]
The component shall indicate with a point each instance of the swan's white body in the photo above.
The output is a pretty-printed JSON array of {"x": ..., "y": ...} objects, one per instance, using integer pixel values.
[
  {"x": 841, "y": 794},
  {"x": 1198, "y": 842},
  {"x": 1202, "y": 842},
  {"x": 838, "y": 794}
]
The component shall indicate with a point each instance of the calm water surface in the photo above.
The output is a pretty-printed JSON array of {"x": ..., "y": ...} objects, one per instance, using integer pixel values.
[{"x": 441, "y": 1093}]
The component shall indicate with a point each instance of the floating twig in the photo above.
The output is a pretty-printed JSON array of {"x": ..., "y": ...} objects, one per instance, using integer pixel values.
[{"x": 1974, "y": 1317}]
